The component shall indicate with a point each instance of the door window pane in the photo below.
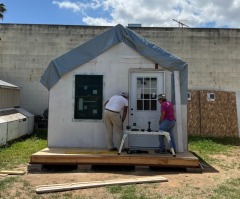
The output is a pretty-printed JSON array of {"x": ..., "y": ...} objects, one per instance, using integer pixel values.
[
  {"x": 146, "y": 105},
  {"x": 139, "y": 105},
  {"x": 153, "y": 105},
  {"x": 147, "y": 91}
]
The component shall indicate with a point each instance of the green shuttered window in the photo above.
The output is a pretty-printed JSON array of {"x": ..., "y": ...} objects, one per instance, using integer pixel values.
[{"x": 88, "y": 97}]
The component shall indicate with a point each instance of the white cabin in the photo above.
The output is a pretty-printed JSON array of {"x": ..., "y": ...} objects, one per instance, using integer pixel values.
[{"x": 81, "y": 80}]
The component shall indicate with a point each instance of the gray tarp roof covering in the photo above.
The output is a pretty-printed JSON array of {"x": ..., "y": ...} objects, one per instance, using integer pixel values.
[{"x": 99, "y": 44}]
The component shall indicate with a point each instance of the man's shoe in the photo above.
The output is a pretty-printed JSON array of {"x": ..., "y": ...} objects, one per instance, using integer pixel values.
[{"x": 113, "y": 149}]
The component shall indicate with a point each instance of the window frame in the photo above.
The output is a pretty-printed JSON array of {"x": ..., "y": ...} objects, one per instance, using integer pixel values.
[{"x": 88, "y": 97}]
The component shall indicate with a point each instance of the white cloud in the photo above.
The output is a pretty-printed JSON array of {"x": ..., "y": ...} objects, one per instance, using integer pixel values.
[
  {"x": 75, "y": 7},
  {"x": 98, "y": 21},
  {"x": 194, "y": 13}
]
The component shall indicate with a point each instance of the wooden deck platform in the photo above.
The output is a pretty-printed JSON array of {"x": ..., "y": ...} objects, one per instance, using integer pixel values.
[{"x": 86, "y": 156}]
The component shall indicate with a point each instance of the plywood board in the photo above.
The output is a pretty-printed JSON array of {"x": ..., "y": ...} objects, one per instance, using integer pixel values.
[
  {"x": 12, "y": 172},
  {"x": 194, "y": 123},
  {"x": 217, "y": 118},
  {"x": 82, "y": 185}
]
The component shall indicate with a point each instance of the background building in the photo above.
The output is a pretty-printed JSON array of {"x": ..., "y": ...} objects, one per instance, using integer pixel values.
[{"x": 26, "y": 50}]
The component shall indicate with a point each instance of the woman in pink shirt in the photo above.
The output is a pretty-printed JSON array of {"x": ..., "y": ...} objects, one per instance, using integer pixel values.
[{"x": 166, "y": 122}]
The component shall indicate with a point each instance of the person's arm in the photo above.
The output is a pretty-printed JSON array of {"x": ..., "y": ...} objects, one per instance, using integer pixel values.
[
  {"x": 125, "y": 109},
  {"x": 162, "y": 116}
]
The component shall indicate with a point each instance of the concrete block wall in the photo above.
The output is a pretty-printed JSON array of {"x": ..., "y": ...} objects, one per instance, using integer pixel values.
[
  {"x": 212, "y": 54},
  {"x": 26, "y": 50}
]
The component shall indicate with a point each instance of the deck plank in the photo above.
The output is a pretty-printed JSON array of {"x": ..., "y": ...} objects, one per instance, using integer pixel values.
[{"x": 104, "y": 157}]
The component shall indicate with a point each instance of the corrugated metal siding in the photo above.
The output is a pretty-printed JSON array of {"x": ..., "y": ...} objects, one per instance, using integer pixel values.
[{"x": 9, "y": 97}]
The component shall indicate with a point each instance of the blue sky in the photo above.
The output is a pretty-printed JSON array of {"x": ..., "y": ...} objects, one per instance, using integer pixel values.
[{"x": 152, "y": 13}]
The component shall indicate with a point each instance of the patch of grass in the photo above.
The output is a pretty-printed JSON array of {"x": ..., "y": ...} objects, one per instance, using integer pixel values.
[
  {"x": 6, "y": 182},
  {"x": 211, "y": 145},
  {"x": 229, "y": 166},
  {"x": 115, "y": 189},
  {"x": 229, "y": 189},
  {"x": 128, "y": 192},
  {"x": 206, "y": 146},
  {"x": 19, "y": 152}
]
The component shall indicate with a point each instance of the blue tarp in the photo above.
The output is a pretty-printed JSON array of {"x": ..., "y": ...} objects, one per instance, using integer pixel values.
[{"x": 99, "y": 44}]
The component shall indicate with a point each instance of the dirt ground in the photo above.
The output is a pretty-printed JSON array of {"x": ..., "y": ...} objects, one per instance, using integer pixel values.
[{"x": 181, "y": 183}]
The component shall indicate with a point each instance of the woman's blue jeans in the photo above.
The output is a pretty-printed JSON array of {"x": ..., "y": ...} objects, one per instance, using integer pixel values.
[{"x": 166, "y": 125}]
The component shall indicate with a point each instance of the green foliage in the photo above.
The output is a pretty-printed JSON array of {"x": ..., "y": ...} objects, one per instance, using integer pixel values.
[
  {"x": 19, "y": 152},
  {"x": 2, "y": 10}
]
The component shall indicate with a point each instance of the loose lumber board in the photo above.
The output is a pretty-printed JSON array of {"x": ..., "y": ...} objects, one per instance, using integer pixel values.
[
  {"x": 83, "y": 185},
  {"x": 3, "y": 175},
  {"x": 12, "y": 172}
]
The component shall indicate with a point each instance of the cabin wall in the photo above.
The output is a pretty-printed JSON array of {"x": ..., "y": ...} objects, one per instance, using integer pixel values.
[{"x": 114, "y": 65}]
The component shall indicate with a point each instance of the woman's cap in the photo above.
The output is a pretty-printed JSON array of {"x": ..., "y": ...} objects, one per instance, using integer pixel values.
[{"x": 162, "y": 96}]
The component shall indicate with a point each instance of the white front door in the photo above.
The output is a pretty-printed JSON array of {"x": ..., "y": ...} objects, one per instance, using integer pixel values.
[{"x": 144, "y": 109}]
